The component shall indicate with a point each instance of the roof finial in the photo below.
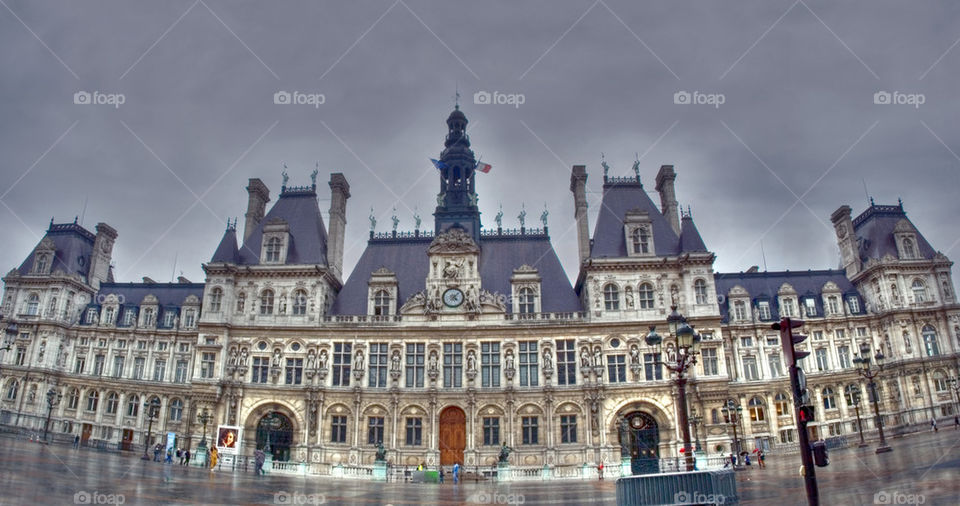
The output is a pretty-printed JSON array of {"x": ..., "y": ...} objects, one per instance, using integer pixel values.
[
  {"x": 636, "y": 166},
  {"x": 523, "y": 214},
  {"x": 689, "y": 212},
  {"x": 499, "y": 217},
  {"x": 313, "y": 175},
  {"x": 871, "y": 201},
  {"x": 373, "y": 221},
  {"x": 543, "y": 217},
  {"x": 456, "y": 96},
  {"x": 900, "y": 203},
  {"x": 285, "y": 176},
  {"x": 606, "y": 168}
]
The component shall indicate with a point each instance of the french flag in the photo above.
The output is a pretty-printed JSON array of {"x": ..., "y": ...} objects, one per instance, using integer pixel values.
[{"x": 484, "y": 167}]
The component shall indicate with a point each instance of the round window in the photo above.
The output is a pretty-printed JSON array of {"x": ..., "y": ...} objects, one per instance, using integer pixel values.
[
  {"x": 295, "y": 347},
  {"x": 262, "y": 345},
  {"x": 614, "y": 343}
]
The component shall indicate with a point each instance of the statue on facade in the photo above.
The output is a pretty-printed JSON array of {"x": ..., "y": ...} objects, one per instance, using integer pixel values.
[
  {"x": 381, "y": 453},
  {"x": 416, "y": 219},
  {"x": 603, "y": 163},
  {"x": 547, "y": 359},
  {"x": 358, "y": 361},
  {"x": 323, "y": 360},
  {"x": 395, "y": 361},
  {"x": 234, "y": 357},
  {"x": 471, "y": 361},
  {"x": 522, "y": 216},
  {"x": 452, "y": 268},
  {"x": 243, "y": 357},
  {"x": 499, "y": 217},
  {"x": 508, "y": 361},
  {"x": 373, "y": 221},
  {"x": 276, "y": 358},
  {"x": 504, "y": 456},
  {"x": 597, "y": 357},
  {"x": 584, "y": 358},
  {"x": 311, "y": 360},
  {"x": 396, "y": 221},
  {"x": 543, "y": 216},
  {"x": 636, "y": 166},
  {"x": 634, "y": 355},
  {"x": 313, "y": 175},
  {"x": 284, "y": 175},
  {"x": 433, "y": 360}
]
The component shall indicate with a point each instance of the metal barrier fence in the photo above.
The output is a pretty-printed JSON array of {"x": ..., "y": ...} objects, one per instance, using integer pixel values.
[{"x": 695, "y": 487}]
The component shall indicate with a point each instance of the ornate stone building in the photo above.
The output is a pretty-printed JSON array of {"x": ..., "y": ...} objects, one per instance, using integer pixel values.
[{"x": 446, "y": 343}]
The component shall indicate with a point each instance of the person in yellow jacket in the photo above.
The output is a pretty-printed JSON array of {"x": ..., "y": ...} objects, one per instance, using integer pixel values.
[{"x": 213, "y": 457}]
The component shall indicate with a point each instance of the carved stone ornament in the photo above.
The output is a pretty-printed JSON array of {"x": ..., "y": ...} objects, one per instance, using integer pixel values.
[{"x": 454, "y": 240}]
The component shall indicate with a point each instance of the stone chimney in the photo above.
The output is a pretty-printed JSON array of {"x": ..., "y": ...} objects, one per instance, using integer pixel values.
[
  {"x": 102, "y": 255},
  {"x": 847, "y": 240},
  {"x": 256, "y": 206},
  {"x": 339, "y": 193},
  {"x": 668, "y": 196},
  {"x": 578, "y": 185}
]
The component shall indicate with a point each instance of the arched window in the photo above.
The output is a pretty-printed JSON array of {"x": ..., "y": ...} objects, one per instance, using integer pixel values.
[
  {"x": 73, "y": 398},
  {"x": 216, "y": 300},
  {"x": 43, "y": 263},
  {"x": 273, "y": 249},
  {"x": 300, "y": 302},
  {"x": 241, "y": 302},
  {"x": 176, "y": 410},
  {"x": 611, "y": 297},
  {"x": 700, "y": 291},
  {"x": 908, "y": 250},
  {"x": 266, "y": 302},
  {"x": 829, "y": 398},
  {"x": 919, "y": 290},
  {"x": 782, "y": 404},
  {"x": 133, "y": 405},
  {"x": 93, "y": 398},
  {"x": 930, "y": 341},
  {"x": 113, "y": 400},
  {"x": 714, "y": 419},
  {"x": 851, "y": 394},
  {"x": 12, "y": 390},
  {"x": 527, "y": 302},
  {"x": 381, "y": 303},
  {"x": 33, "y": 304},
  {"x": 645, "y": 296},
  {"x": 755, "y": 406}
]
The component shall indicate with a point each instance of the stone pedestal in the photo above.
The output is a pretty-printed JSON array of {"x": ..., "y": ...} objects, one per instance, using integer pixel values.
[
  {"x": 700, "y": 460},
  {"x": 379, "y": 471},
  {"x": 503, "y": 472},
  {"x": 200, "y": 457},
  {"x": 268, "y": 464},
  {"x": 626, "y": 469}
]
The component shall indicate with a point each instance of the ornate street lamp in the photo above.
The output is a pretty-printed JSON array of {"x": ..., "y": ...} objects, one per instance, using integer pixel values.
[
  {"x": 272, "y": 423},
  {"x": 686, "y": 346},
  {"x": 696, "y": 420},
  {"x": 864, "y": 370},
  {"x": 731, "y": 414},
  {"x": 10, "y": 332},
  {"x": 204, "y": 417},
  {"x": 152, "y": 410},
  {"x": 53, "y": 398},
  {"x": 856, "y": 406}
]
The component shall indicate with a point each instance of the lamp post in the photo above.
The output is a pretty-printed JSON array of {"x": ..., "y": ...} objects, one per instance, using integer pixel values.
[
  {"x": 856, "y": 408},
  {"x": 686, "y": 346},
  {"x": 204, "y": 417},
  {"x": 696, "y": 420},
  {"x": 731, "y": 414},
  {"x": 10, "y": 333},
  {"x": 152, "y": 410},
  {"x": 53, "y": 398},
  {"x": 271, "y": 422},
  {"x": 864, "y": 370}
]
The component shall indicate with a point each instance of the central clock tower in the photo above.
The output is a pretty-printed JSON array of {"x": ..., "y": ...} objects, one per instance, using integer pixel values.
[{"x": 457, "y": 199}]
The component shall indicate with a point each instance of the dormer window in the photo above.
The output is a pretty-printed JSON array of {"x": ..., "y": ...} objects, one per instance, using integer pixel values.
[
  {"x": 108, "y": 315},
  {"x": 739, "y": 310},
  {"x": 92, "y": 316},
  {"x": 853, "y": 304},
  {"x": 909, "y": 251},
  {"x": 527, "y": 301},
  {"x": 700, "y": 291},
  {"x": 274, "y": 246},
  {"x": 641, "y": 241},
  {"x": 810, "y": 304},
  {"x": 275, "y": 240},
  {"x": 43, "y": 263},
  {"x": 638, "y": 232},
  {"x": 525, "y": 290},
  {"x": 763, "y": 308},
  {"x": 381, "y": 303},
  {"x": 148, "y": 317},
  {"x": 169, "y": 318},
  {"x": 786, "y": 307},
  {"x": 189, "y": 318},
  {"x": 919, "y": 291},
  {"x": 833, "y": 305}
]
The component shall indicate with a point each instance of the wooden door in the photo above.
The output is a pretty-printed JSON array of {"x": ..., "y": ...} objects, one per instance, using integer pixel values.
[
  {"x": 85, "y": 433},
  {"x": 453, "y": 436},
  {"x": 127, "y": 439}
]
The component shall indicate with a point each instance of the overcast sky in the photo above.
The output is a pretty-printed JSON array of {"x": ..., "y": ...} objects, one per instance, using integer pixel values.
[{"x": 797, "y": 135}]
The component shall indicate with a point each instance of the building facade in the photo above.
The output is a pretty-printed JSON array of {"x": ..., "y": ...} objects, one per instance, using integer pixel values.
[{"x": 445, "y": 343}]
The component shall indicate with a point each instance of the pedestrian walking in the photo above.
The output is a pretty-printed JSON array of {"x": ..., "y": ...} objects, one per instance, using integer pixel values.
[
  {"x": 456, "y": 472},
  {"x": 933, "y": 424},
  {"x": 956, "y": 422},
  {"x": 213, "y": 457},
  {"x": 600, "y": 471},
  {"x": 259, "y": 458},
  {"x": 441, "y": 474},
  {"x": 76, "y": 441},
  {"x": 169, "y": 459},
  {"x": 156, "y": 452},
  {"x": 186, "y": 457},
  {"x": 180, "y": 455},
  {"x": 760, "y": 457}
]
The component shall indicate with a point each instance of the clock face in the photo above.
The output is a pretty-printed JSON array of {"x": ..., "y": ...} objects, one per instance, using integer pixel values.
[{"x": 453, "y": 297}]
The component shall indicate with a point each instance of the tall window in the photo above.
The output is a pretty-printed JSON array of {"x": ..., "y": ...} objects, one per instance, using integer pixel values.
[
  {"x": 617, "y": 368},
  {"x": 641, "y": 241},
  {"x": 12, "y": 390},
  {"x": 118, "y": 366},
  {"x": 341, "y": 364},
  {"x": 930, "y": 341},
  {"x": 823, "y": 364},
  {"x": 568, "y": 428},
  {"x": 273, "y": 249},
  {"x": 176, "y": 410},
  {"x": 92, "y": 399},
  {"x": 651, "y": 367},
  {"x": 763, "y": 308},
  {"x": 786, "y": 306},
  {"x": 43, "y": 261},
  {"x": 776, "y": 370},
  {"x": 108, "y": 314},
  {"x": 33, "y": 304},
  {"x": 98, "y": 363},
  {"x": 711, "y": 366},
  {"x": 216, "y": 300},
  {"x": 529, "y": 375},
  {"x": 755, "y": 407},
  {"x": 452, "y": 365},
  {"x": 611, "y": 297},
  {"x": 208, "y": 363},
  {"x": 375, "y": 430},
  {"x": 700, "y": 291},
  {"x": 261, "y": 365},
  {"x": 750, "y": 371},
  {"x": 645, "y": 296},
  {"x": 149, "y": 317},
  {"x": 180, "y": 373},
  {"x": 21, "y": 355},
  {"x": 379, "y": 362},
  {"x": 73, "y": 398},
  {"x": 829, "y": 398},
  {"x": 133, "y": 405},
  {"x": 338, "y": 429},
  {"x": 782, "y": 404},
  {"x": 843, "y": 356},
  {"x": 919, "y": 291},
  {"x": 810, "y": 306},
  {"x": 266, "y": 302},
  {"x": 300, "y": 302},
  {"x": 415, "y": 361},
  {"x": 381, "y": 303},
  {"x": 530, "y": 430},
  {"x": 851, "y": 394},
  {"x": 159, "y": 369},
  {"x": 853, "y": 304},
  {"x": 294, "y": 371},
  {"x": 169, "y": 318},
  {"x": 490, "y": 364},
  {"x": 414, "y": 431},
  {"x": 909, "y": 252},
  {"x": 833, "y": 305},
  {"x": 189, "y": 318},
  {"x": 566, "y": 362},
  {"x": 527, "y": 301},
  {"x": 491, "y": 431},
  {"x": 739, "y": 310},
  {"x": 939, "y": 382}
]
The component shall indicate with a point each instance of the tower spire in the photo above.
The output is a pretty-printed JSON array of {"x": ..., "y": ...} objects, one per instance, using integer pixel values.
[{"x": 457, "y": 200}]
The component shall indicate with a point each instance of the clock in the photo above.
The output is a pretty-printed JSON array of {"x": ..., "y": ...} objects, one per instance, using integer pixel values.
[{"x": 453, "y": 297}]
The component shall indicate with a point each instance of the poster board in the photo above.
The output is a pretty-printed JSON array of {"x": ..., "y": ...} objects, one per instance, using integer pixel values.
[{"x": 228, "y": 439}]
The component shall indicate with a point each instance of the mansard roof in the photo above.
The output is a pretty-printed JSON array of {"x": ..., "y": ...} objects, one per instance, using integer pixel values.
[
  {"x": 308, "y": 236},
  {"x": 690, "y": 240},
  {"x": 619, "y": 196},
  {"x": 227, "y": 251},
  {"x": 167, "y": 294},
  {"x": 73, "y": 244},
  {"x": 875, "y": 230},
  {"x": 765, "y": 285},
  {"x": 499, "y": 256}
]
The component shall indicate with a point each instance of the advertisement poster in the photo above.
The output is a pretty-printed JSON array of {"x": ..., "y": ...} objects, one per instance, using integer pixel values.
[
  {"x": 171, "y": 442},
  {"x": 228, "y": 439}
]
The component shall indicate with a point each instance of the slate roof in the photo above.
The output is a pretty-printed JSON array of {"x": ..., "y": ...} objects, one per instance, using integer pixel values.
[
  {"x": 618, "y": 198},
  {"x": 74, "y": 245},
  {"x": 308, "y": 235},
  {"x": 168, "y": 294},
  {"x": 227, "y": 251},
  {"x": 764, "y": 286},
  {"x": 874, "y": 227},
  {"x": 499, "y": 256},
  {"x": 690, "y": 240}
]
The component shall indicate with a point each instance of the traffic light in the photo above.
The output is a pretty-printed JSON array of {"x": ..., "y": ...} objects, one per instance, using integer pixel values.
[
  {"x": 805, "y": 414},
  {"x": 820, "y": 458},
  {"x": 788, "y": 339}
]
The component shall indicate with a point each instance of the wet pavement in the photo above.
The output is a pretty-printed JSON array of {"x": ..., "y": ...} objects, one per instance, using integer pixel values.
[{"x": 924, "y": 467}]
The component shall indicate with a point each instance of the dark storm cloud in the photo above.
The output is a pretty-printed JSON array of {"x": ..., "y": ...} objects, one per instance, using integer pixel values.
[{"x": 797, "y": 135}]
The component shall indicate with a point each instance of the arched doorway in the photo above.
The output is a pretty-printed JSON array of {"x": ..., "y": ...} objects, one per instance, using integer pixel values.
[
  {"x": 640, "y": 436},
  {"x": 276, "y": 430},
  {"x": 453, "y": 435}
]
